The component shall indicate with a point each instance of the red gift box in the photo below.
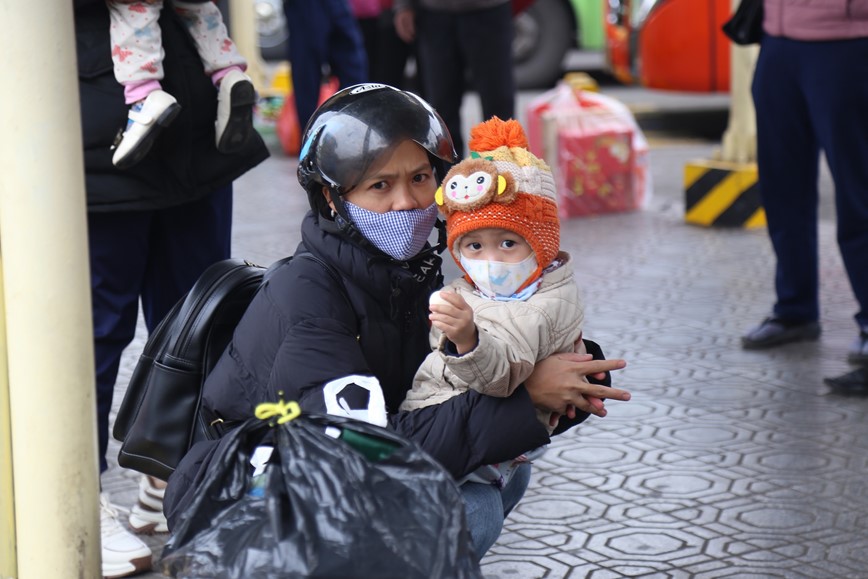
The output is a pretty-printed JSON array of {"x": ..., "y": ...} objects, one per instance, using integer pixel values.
[
  {"x": 595, "y": 172},
  {"x": 596, "y": 150}
]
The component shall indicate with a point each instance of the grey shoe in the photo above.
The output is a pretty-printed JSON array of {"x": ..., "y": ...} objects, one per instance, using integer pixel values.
[
  {"x": 775, "y": 332},
  {"x": 236, "y": 98},
  {"x": 858, "y": 353},
  {"x": 853, "y": 383}
]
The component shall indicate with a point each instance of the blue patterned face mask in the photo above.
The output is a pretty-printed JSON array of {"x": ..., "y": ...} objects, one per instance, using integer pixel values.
[
  {"x": 400, "y": 234},
  {"x": 498, "y": 279}
]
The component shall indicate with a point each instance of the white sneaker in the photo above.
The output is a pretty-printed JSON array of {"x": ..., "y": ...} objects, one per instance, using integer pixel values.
[
  {"x": 145, "y": 121},
  {"x": 147, "y": 517},
  {"x": 235, "y": 100},
  {"x": 150, "y": 495},
  {"x": 123, "y": 554},
  {"x": 144, "y": 521}
]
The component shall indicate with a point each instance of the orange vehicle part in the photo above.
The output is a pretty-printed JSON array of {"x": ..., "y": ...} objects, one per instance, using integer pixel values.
[
  {"x": 680, "y": 46},
  {"x": 618, "y": 52}
]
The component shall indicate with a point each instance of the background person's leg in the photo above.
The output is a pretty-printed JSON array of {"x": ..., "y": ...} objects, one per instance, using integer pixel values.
[
  {"x": 836, "y": 85},
  {"x": 346, "y": 49},
  {"x": 185, "y": 241},
  {"x": 389, "y": 62},
  {"x": 308, "y": 38},
  {"x": 118, "y": 248},
  {"x": 442, "y": 69},
  {"x": 486, "y": 43},
  {"x": 788, "y": 160}
]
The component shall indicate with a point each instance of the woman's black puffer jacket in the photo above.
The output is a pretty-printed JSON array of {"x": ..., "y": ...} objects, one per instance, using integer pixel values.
[
  {"x": 306, "y": 328},
  {"x": 184, "y": 164}
]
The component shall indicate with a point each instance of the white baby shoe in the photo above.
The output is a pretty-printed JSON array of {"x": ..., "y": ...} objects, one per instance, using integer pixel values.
[{"x": 145, "y": 121}]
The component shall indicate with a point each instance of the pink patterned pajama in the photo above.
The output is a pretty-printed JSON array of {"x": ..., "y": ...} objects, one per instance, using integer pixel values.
[{"x": 137, "y": 47}]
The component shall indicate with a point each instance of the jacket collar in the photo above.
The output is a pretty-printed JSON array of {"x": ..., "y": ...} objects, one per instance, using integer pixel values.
[{"x": 367, "y": 267}]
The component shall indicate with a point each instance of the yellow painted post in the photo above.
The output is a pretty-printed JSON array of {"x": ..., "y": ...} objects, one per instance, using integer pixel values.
[
  {"x": 739, "y": 139},
  {"x": 243, "y": 31},
  {"x": 49, "y": 336},
  {"x": 8, "y": 560},
  {"x": 723, "y": 191}
]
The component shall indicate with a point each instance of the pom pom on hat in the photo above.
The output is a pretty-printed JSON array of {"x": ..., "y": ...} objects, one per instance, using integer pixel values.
[
  {"x": 494, "y": 133},
  {"x": 502, "y": 185}
]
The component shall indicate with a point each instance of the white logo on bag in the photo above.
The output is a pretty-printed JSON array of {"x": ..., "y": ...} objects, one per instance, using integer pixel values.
[{"x": 358, "y": 397}]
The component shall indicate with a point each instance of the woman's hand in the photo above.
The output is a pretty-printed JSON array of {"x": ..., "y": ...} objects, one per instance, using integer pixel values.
[
  {"x": 405, "y": 25},
  {"x": 560, "y": 381}
]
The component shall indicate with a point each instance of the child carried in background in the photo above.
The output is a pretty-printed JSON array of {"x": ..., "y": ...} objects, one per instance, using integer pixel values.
[
  {"x": 137, "y": 53},
  {"x": 518, "y": 302}
]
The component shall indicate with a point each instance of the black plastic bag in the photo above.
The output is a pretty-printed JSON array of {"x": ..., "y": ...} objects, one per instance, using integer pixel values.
[
  {"x": 746, "y": 24},
  {"x": 369, "y": 504}
]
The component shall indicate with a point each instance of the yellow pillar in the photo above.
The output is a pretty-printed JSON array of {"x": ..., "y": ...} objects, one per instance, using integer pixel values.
[
  {"x": 739, "y": 139},
  {"x": 243, "y": 31},
  {"x": 723, "y": 191},
  {"x": 49, "y": 334},
  {"x": 8, "y": 563}
]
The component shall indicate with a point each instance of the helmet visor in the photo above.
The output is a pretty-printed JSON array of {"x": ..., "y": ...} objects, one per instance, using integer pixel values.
[{"x": 346, "y": 141}]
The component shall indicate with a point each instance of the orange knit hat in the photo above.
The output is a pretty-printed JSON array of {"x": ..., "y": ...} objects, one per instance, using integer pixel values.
[{"x": 502, "y": 185}]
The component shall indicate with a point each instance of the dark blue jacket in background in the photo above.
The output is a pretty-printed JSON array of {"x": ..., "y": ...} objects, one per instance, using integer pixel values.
[{"x": 184, "y": 164}]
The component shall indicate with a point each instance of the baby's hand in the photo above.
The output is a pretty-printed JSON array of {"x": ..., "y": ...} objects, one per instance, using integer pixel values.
[{"x": 453, "y": 316}]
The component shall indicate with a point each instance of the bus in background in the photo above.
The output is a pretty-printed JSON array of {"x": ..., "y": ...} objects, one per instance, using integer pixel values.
[{"x": 673, "y": 45}]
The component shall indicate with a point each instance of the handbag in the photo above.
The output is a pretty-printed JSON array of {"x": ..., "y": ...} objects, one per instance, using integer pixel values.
[{"x": 745, "y": 27}]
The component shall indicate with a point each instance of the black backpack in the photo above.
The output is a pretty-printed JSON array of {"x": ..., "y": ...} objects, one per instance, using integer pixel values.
[{"x": 159, "y": 419}]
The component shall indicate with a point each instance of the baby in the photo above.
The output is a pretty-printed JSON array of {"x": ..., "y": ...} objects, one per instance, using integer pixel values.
[{"x": 518, "y": 302}]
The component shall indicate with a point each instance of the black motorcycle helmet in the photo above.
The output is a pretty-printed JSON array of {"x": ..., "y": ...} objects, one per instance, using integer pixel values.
[{"x": 350, "y": 130}]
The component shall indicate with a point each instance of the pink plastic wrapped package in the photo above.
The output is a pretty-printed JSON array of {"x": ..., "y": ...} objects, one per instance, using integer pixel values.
[{"x": 596, "y": 150}]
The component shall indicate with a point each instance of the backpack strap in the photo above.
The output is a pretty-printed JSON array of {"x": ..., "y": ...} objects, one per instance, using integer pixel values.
[{"x": 273, "y": 267}]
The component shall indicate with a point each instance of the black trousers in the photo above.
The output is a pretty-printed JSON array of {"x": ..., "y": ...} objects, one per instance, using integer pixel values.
[
  {"x": 322, "y": 32},
  {"x": 813, "y": 96},
  {"x": 152, "y": 256},
  {"x": 460, "y": 51}
]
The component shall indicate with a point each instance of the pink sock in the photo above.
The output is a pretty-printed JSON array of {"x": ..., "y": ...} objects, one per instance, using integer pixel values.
[
  {"x": 139, "y": 90},
  {"x": 218, "y": 76}
]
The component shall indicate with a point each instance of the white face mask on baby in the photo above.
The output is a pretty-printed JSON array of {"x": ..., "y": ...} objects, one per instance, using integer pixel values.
[{"x": 498, "y": 278}]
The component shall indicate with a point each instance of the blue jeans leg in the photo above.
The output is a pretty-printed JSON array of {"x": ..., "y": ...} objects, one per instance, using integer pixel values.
[{"x": 486, "y": 507}]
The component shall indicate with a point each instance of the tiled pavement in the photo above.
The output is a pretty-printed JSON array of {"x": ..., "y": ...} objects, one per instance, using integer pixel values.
[{"x": 726, "y": 463}]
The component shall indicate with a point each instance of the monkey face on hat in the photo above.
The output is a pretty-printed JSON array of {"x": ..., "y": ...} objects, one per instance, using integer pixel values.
[{"x": 502, "y": 185}]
